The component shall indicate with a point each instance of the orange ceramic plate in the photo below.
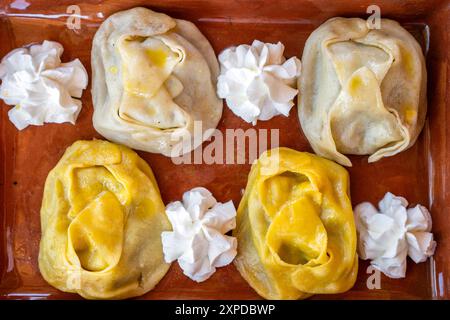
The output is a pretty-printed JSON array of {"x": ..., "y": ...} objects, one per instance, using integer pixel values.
[{"x": 421, "y": 174}]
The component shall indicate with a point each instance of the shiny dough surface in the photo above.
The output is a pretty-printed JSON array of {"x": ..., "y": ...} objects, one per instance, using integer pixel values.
[
  {"x": 101, "y": 220},
  {"x": 153, "y": 78},
  {"x": 295, "y": 228},
  {"x": 363, "y": 91}
]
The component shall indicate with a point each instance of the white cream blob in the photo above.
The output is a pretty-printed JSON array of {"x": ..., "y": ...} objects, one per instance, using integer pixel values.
[
  {"x": 198, "y": 239},
  {"x": 257, "y": 81},
  {"x": 388, "y": 235},
  {"x": 41, "y": 88}
]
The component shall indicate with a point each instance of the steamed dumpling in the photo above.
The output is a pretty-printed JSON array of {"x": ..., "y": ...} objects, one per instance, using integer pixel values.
[
  {"x": 363, "y": 90},
  {"x": 295, "y": 229},
  {"x": 153, "y": 77},
  {"x": 101, "y": 218}
]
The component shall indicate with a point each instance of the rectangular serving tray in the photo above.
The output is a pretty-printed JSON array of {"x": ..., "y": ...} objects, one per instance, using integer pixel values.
[{"x": 421, "y": 174}]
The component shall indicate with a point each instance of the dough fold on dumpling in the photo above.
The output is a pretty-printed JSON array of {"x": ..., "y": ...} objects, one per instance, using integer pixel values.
[
  {"x": 363, "y": 91},
  {"x": 101, "y": 220},
  {"x": 295, "y": 229},
  {"x": 153, "y": 78}
]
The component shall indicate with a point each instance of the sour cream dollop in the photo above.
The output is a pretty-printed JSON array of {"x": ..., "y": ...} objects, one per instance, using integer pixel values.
[
  {"x": 257, "y": 81},
  {"x": 388, "y": 235},
  {"x": 41, "y": 87},
  {"x": 198, "y": 239}
]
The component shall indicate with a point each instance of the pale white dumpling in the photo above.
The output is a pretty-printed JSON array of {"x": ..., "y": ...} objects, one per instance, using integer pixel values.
[
  {"x": 363, "y": 91},
  {"x": 153, "y": 78}
]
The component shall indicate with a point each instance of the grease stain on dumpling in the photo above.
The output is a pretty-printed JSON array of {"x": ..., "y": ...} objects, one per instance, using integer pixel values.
[{"x": 158, "y": 57}]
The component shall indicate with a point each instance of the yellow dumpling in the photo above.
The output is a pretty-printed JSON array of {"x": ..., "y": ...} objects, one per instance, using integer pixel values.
[
  {"x": 295, "y": 228},
  {"x": 101, "y": 219},
  {"x": 364, "y": 90}
]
